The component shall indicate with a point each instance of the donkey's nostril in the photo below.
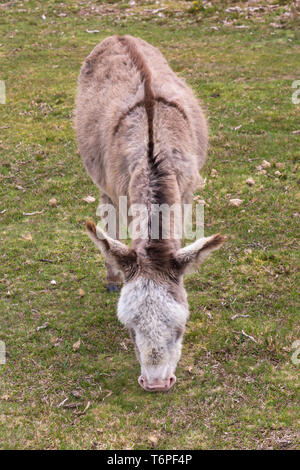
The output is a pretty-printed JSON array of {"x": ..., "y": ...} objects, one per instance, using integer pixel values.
[
  {"x": 142, "y": 382},
  {"x": 172, "y": 380}
]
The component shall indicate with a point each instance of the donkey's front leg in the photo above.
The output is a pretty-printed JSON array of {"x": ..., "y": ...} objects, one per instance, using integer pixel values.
[
  {"x": 113, "y": 278},
  {"x": 113, "y": 275}
]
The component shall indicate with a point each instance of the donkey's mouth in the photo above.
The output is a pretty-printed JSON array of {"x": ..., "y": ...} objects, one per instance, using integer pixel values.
[{"x": 163, "y": 385}]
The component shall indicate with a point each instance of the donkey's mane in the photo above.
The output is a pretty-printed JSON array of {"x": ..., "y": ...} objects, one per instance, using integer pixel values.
[
  {"x": 149, "y": 101},
  {"x": 162, "y": 179}
]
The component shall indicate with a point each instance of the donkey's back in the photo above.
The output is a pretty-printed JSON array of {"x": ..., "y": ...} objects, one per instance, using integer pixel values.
[{"x": 111, "y": 116}]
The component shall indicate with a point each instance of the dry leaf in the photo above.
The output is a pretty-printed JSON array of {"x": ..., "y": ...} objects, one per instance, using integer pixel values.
[
  {"x": 276, "y": 25},
  {"x": 250, "y": 181},
  {"x": 53, "y": 282},
  {"x": 153, "y": 439},
  {"x": 53, "y": 202},
  {"x": 89, "y": 199},
  {"x": 235, "y": 202},
  {"x": 76, "y": 345},
  {"x": 277, "y": 173},
  {"x": 280, "y": 166},
  {"x": 5, "y": 397},
  {"x": 81, "y": 292},
  {"x": 265, "y": 164},
  {"x": 213, "y": 173},
  {"x": 199, "y": 200},
  {"x": 27, "y": 236}
]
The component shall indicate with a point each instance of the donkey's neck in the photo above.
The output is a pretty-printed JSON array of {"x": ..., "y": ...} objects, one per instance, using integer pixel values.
[{"x": 155, "y": 190}]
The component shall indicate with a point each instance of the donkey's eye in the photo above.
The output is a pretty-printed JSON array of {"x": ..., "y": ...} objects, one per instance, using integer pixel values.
[
  {"x": 178, "y": 333},
  {"x": 132, "y": 334}
]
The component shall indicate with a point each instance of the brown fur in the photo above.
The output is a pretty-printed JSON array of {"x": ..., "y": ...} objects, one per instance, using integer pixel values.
[{"x": 90, "y": 225}]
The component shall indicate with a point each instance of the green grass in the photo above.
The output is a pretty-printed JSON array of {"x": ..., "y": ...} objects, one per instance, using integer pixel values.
[{"x": 232, "y": 392}]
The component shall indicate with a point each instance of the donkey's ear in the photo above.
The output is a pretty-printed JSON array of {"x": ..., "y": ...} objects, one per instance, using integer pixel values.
[
  {"x": 187, "y": 259},
  {"x": 114, "y": 252}
]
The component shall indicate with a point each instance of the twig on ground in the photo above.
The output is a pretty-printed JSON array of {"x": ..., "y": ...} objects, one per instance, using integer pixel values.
[
  {"x": 33, "y": 213},
  {"x": 108, "y": 395},
  {"x": 245, "y": 334},
  {"x": 63, "y": 402},
  {"x": 79, "y": 413},
  {"x": 72, "y": 405},
  {"x": 237, "y": 315},
  {"x": 42, "y": 327}
]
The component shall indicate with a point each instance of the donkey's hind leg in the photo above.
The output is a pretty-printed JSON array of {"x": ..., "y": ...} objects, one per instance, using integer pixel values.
[{"x": 113, "y": 275}]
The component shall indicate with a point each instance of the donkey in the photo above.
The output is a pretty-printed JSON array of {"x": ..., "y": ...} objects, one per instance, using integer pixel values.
[{"x": 142, "y": 134}]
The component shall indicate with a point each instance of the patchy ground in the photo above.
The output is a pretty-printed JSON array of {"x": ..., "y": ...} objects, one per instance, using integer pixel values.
[{"x": 70, "y": 381}]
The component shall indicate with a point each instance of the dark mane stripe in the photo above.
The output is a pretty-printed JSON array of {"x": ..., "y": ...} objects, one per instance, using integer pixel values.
[
  {"x": 159, "y": 99},
  {"x": 149, "y": 95},
  {"x": 162, "y": 180},
  {"x": 172, "y": 104},
  {"x": 128, "y": 112},
  {"x": 159, "y": 170}
]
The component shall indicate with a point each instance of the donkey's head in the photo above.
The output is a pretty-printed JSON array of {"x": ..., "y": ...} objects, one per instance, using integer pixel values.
[{"x": 153, "y": 303}]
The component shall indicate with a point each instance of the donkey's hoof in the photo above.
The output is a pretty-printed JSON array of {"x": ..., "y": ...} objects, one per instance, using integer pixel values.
[{"x": 112, "y": 288}]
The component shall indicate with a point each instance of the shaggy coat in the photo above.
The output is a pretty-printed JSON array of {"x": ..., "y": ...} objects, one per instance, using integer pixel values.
[{"x": 142, "y": 134}]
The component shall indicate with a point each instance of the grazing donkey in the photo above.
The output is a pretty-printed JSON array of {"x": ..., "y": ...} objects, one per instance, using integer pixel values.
[{"x": 142, "y": 134}]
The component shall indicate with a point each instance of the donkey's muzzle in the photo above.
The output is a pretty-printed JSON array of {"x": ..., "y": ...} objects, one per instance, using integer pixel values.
[{"x": 157, "y": 385}]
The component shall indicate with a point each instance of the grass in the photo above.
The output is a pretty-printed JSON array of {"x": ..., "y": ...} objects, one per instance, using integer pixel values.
[{"x": 232, "y": 392}]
